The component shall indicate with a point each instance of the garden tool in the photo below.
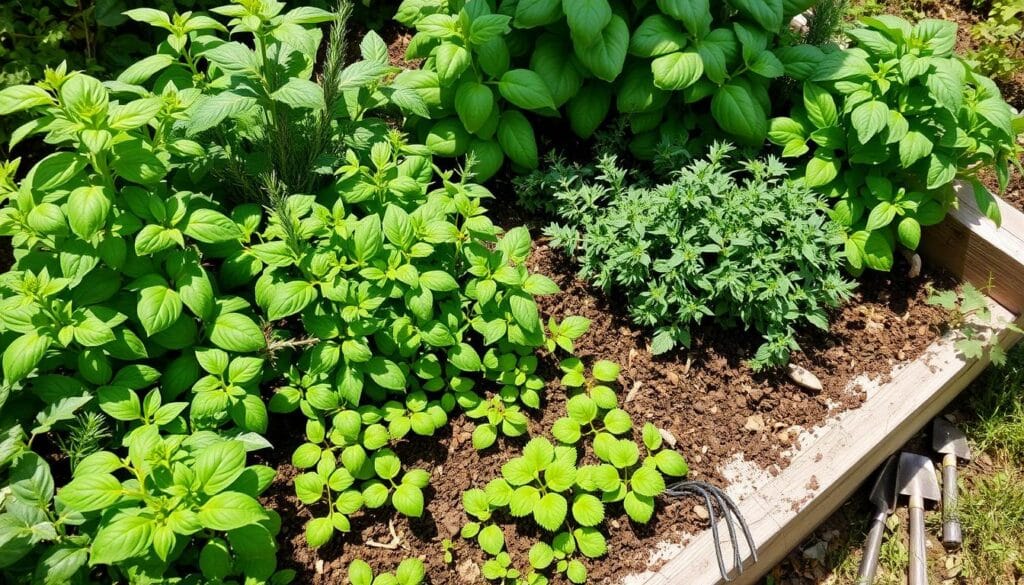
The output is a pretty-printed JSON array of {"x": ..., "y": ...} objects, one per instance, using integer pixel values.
[
  {"x": 883, "y": 497},
  {"x": 916, "y": 479},
  {"x": 729, "y": 510},
  {"x": 952, "y": 443}
]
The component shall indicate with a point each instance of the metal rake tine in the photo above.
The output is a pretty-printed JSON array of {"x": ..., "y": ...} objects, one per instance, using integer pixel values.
[
  {"x": 696, "y": 488},
  {"x": 742, "y": 523},
  {"x": 737, "y": 559},
  {"x": 714, "y": 531}
]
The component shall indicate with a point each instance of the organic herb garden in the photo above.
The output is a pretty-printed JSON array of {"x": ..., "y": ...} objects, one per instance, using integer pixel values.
[{"x": 299, "y": 293}]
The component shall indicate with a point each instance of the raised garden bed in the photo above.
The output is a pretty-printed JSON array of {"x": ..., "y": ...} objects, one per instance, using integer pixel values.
[{"x": 834, "y": 460}]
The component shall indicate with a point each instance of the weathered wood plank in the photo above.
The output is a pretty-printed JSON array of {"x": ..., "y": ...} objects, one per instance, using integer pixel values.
[
  {"x": 825, "y": 473},
  {"x": 972, "y": 247}
]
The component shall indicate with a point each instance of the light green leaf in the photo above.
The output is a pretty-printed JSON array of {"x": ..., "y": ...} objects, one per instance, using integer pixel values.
[
  {"x": 869, "y": 119},
  {"x": 212, "y": 227},
  {"x": 738, "y": 113},
  {"x": 550, "y": 511},
  {"x": 88, "y": 493},
  {"x": 231, "y": 510},
  {"x": 677, "y": 71},
  {"x": 125, "y": 537},
  {"x": 491, "y": 540},
  {"x": 408, "y": 500},
  {"x": 217, "y": 466},
  {"x": 87, "y": 210},
  {"x": 238, "y": 333},
  {"x": 159, "y": 307},
  {"x": 23, "y": 354},
  {"x": 289, "y": 298},
  {"x": 587, "y": 510},
  {"x": 22, "y": 97},
  {"x": 526, "y": 89},
  {"x": 914, "y": 146},
  {"x": 300, "y": 94}
]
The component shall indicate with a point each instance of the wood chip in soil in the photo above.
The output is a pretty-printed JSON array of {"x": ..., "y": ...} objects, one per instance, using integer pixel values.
[{"x": 704, "y": 397}]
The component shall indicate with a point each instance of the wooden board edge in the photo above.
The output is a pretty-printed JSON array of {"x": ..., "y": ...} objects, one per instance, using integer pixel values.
[
  {"x": 835, "y": 464},
  {"x": 975, "y": 250}
]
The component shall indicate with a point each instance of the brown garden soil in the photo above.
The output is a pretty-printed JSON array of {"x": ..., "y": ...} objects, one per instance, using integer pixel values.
[{"x": 712, "y": 404}]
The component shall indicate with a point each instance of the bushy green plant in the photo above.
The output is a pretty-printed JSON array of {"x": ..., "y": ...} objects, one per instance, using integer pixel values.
[
  {"x": 1000, "y": 40},
  {"x": 567, "y": 499},
  {"x": 674, "y": 68},
  {"x": 394, "y": 317},
  {"x": 891, "y": 124},
  {"x": 143, "y": 289},
  {"x": 111, "y": 295},
  {"x": 747, "y": 248}
]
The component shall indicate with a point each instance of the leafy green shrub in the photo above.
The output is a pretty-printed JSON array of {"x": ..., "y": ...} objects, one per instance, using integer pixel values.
[
  {"x": 138, "y": 297},
  {"x": 673, "y": 67},
  {"x": 891, "y": 123},
  {"x": 90, "y": 35},
  {"x": 106, "y": 299},
  {"x": 113, "y": 293},
  {"x": 568, "y": 499},
  {"x": 393, "y": 314},
  {"x": 1000, "y": 40},
  {"x": 756, "y": 252}
]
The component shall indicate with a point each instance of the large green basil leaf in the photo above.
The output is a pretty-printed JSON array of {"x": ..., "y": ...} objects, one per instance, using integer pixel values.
[
  {"x": 739, "y": 113},
  {"x": 515, "y": 135},
  {"x": 586, "y": 19},
  {"x": 677, "y": 71},
  {"x": 607, "y": 54}
]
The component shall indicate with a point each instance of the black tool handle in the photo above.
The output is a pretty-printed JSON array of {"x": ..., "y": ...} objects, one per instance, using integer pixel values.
[
  {"x": 918, "y": 559},
  {"x": 872, "y": 548},
  {"x": 952, "y": 536}
]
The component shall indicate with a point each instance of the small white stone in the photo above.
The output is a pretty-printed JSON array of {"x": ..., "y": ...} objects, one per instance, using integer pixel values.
[
  {"x": 755, "y": 423},
  {"x": 668, "y": 437},
  {"x": 701, "y": 512},
  {"x": 804, "y": 377}
]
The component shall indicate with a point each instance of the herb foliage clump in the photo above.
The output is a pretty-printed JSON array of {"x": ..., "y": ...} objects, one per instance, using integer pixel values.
[
  {"x": 748, "y": 249},
  {"x": 370, "y": 293},
  {"x": 890, "y": 125}
]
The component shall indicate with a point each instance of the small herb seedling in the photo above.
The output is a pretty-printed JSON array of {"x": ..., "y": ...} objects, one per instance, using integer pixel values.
[{"x": 969, "y": 316}]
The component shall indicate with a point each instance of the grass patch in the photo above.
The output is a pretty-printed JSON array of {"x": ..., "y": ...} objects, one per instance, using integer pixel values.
[
  {"x": 996, "y": 401},
  {"x": 992, "y": 514}
]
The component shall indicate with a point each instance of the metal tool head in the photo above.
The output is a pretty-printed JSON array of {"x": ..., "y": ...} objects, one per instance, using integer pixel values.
[
  {"x": 883, "y": 495},
  {"x": 916, "y": 477},
  {"x": 946, "y": 438}
]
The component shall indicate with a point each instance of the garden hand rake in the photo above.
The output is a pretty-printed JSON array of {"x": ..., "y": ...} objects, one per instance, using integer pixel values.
[{"x": 713, "y": 497}]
